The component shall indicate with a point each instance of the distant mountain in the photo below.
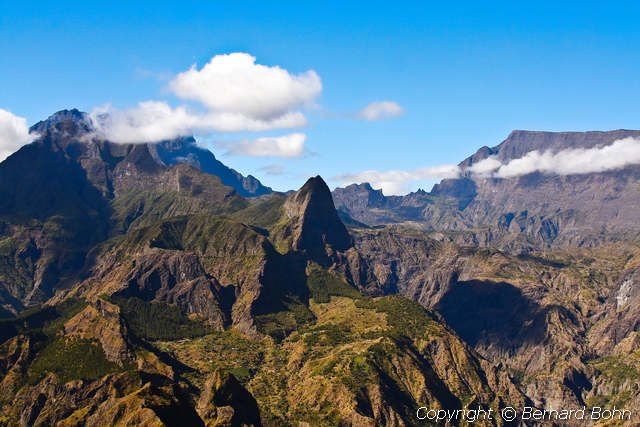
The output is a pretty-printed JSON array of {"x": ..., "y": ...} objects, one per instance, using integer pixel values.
[
  {"x": 535, "y": 210},
  {"x": 171, "y": 152},
  {"x": 520, "y": 142},
  {"x": 185, "y": 150}
]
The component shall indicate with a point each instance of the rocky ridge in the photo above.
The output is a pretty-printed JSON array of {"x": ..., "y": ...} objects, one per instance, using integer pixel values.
[{"x": 529, "y": 212}]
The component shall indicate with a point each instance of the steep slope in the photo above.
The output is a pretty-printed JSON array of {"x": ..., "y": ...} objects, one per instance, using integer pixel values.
[
  {"x": 77, "y": 364},
  {"x": 310, "y": 223},
  {"x": 205, "y": 265},
  {"x": 66, "y": 192},
  {"x": 561, "y": 322}
]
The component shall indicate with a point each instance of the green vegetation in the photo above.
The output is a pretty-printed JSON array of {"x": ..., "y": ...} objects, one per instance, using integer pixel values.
[
  {"x": 16, "y": 267},
  {"x": 280, "y": 324},
  {"x": 71, "y": 359},
  {"x": 262, "y": 214},
  {"x": 324, "y": 284},
  {"x": 198, "y": 193},
  {"x": 329, "y": 334},
  {"x": 619, "y": 369},
  {"x": 158, "y": 321},
  {"x": 41, "y": 321},
  {"x": 68, "y": 358},
  {"x": 228, "y": 351},
  {"x": 407, "y": 318}
]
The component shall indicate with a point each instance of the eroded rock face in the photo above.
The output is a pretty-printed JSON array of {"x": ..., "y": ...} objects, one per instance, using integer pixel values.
[
  {"x": 314, "y": 226},
  {"x": 102, "y": 322},
  {"x": 545, "y": 318},
  {"x": 15, "y": 356},
  {"x": 225, "y": 402},
  {"x": 622, "y": 321},
  {"x": 177, "y": 278},
  {"x": 118, "y": 400}
]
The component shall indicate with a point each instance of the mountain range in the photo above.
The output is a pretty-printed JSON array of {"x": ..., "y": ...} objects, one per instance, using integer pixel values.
[
  {"x": 520, "y": 213},
  {"x": 149, "y": 284}
]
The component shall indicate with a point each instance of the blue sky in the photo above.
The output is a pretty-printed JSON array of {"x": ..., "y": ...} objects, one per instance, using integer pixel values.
[{"x": 465, "y": 75}]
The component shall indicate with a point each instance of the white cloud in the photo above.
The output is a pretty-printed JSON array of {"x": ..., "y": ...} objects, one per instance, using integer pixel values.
[
  {"x": 617, "y": 155},
  {"x": 621, "y": 153},
  {"x": 234, "y": 83},
  {"x": 14, "y": 133},
  {"x": 380, "y": 110},
  {"x": 287, "y": 146},
  {"x": 485, "y": 167},
  {"x": 150, "y": 121},
  {"x": 234, "y": 122},
  {"x": 230, "y": 93},
  {"x": 235, "y": 95},
  {"x": 397, "y": 182}
]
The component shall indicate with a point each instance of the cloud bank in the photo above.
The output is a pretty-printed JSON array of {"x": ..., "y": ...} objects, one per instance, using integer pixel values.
[
  {"x": 397, "y": 182},
  {"x": 14, "y": 133},
  {"x": 231, "y": 93},
  {"x": 621, "y": 153},
  {"x": 285, "y": 146},
  {"x": 380, "y": 110},
  {"x": 576, "y": 161},
  {"x": 153, "y": 121}
]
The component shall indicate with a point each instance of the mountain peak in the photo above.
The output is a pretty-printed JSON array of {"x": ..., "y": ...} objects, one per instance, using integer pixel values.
[
  {"x": 79, "y": 118},
  {"x": 316, "y": 187},
  {"x": 356, "y": 197},
  {"x": 316, "y": 227},
  {"x": 73, "y": 128}
]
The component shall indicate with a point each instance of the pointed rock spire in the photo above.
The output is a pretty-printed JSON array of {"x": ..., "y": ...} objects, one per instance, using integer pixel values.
[{"x": 315, "y": 225}]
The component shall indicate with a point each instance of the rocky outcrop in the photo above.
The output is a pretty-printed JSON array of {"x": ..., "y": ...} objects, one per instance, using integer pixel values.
[
  {"x": 15, "y": 356},
  {"x": 179, "y": 279},
  {"x": 102, "y": 322},
  {"x": 118, "y": 400},
  {"x": 225, "y": 402},
  {"x": 310, "y": 223}
]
